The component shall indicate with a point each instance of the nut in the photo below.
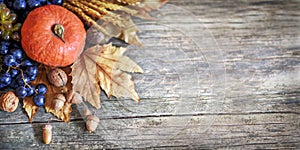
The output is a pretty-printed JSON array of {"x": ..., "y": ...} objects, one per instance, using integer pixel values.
[
  {"x": 77, "y": 98},
  {"x": 92, "y": 122},
  {"x": 58, "y": 77},
  {"x": 58, "y": 102},
  {"x": 47, "y": 133},
  {"x": 87, "y": 112},
  {"x": 74, "y": 97},
  {"x": 9, "y": 102}
]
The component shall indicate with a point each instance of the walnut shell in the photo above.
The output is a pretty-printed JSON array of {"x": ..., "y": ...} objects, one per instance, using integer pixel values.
[
  {"x": 58, "y": 77},
  {"x": 9, "y": 102},
  {"x": 58, "y": 102},
  {"x": 92, "y": 123}
]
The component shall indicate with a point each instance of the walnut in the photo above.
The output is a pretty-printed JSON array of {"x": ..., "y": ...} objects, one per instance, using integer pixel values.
[
  {"x": 9, "y": 102},
  {"x": 58, "y": 77}
]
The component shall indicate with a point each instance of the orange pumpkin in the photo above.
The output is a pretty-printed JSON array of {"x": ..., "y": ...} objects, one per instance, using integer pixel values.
[{"x": 52, "y": 35}]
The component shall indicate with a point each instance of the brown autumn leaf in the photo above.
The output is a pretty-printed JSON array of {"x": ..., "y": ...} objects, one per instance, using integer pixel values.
[
  {"x": 30, "y": 108},
  {"x": 83, "y": 76},
  {"x": 122, "y": 86},
  {"x": 128, "y": 33},
  {"x": 64, "y": 113},
  {"x": 104, "y": 66}
]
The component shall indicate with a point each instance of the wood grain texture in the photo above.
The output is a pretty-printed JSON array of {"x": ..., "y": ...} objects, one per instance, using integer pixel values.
[{"x": 260, "y": 44}]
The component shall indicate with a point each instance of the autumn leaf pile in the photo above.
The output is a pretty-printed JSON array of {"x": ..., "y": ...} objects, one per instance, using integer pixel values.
[{"x": 101, "y": 66}]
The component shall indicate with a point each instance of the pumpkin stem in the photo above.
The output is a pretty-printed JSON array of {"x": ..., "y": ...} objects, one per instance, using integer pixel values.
[{"x": 59, "y": 30}]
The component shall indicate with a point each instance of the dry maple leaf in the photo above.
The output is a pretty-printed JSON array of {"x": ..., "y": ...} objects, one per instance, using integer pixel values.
[
  {"x": 52, "y": 91},
  {"x": 104, "y": 66},
  {"x": 127, "y": 33},
  {"x": 30, "y": 108}
]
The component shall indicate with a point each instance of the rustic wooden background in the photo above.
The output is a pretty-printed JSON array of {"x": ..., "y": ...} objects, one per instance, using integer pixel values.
[{"x": 239, "y": 92}]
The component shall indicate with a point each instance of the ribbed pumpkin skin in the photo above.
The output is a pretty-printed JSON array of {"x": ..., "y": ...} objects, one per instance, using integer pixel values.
[{"x": 42, "y": 45}]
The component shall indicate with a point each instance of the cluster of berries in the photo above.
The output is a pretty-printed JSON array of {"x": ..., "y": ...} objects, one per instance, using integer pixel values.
[{"x": 17, "y": 71}]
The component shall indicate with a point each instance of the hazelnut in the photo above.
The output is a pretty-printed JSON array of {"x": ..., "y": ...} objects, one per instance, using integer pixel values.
[
  {"x": 9, "y": 102},
  {"x": 92, "y": 122},
  {"x": 58, "y": 77},
  {"x": 58, "y": 102}
]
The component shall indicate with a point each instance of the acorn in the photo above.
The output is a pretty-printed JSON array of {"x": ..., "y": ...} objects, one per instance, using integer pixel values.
[
  {"x": 87, "y": 112},
  {"x": 92, "y": 122},
  {"x": 47, "y": 133},
  {"x": 58, "y": 102},
  {"x": 74, "y": 97}
]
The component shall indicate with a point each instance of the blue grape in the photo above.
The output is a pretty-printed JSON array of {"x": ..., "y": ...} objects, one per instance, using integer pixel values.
[
  {"x": 33, "y": 3},
  {"x": 2, "y": 85},
  {"x": 30, "y": 90},
  {"x": 3, "y": 49},
  {"x": 14, "y": 72},
  {"x": 43, "y": 1},
  {"x": 56, "y": 2},
  {"x": 39, "y": 99},
  {"x": 17, "y": 53},
  {"x": 41, "y": 88},
  {"x": 19, "y": 4},
  {"x": 14, "y": 84},
  {"x": 33, "y": 77},
  {"x": 20, "y": 80},
  {"x": 21, "y": 92},
  {"x": 5, "y": 79},
  {"x": 7, "y": 43},
  {"x": 26, "y": 62},
  {"x": 9, "y": 60},
  {"x": 31, "y": 70}
]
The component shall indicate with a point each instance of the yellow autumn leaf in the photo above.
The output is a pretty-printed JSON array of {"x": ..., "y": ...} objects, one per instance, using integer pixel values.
[
  {"x": 52, "y": 91},
  {"x": 122, "y": 86},
  {"x": 30, "y": 108},
  {"x": 83, "y": 76},
  {"x": 105, "y": 67}
]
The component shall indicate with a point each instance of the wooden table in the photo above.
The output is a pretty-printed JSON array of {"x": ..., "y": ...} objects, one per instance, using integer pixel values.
[{"x": 232, "y": 82}]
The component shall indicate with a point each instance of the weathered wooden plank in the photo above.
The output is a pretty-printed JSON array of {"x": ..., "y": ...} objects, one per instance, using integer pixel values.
[
  {"x": 260, "y": 46},
  {"x": 229, "y": 131}
]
